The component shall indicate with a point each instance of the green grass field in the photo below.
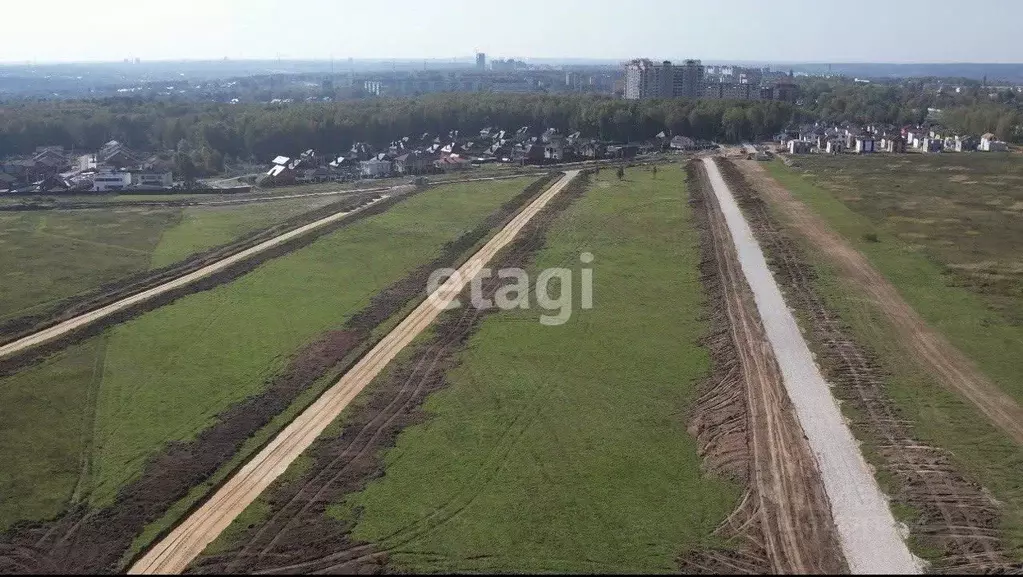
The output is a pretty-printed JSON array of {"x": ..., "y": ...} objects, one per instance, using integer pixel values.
[
  {"x": 965, "y": 315},
  {"x": 565, "y": 448},
  {"x": 49, "y": 255},
  {"x": 84, "y": 422}
]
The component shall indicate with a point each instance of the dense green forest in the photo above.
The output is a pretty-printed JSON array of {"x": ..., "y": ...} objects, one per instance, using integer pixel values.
[{"x": 210, "y": 134}]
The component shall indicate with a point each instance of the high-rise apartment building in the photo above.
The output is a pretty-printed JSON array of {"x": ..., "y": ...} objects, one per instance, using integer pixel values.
[{"x": 644, "y": 79}]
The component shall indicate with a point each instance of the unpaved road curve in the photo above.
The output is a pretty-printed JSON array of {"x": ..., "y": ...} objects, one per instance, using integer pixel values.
[
  {"x": 187, "y": 540},
  {"x": 866, "y": 528},
  {"x": 84, "y": 319},
  {"x": 946, "y": 362}
]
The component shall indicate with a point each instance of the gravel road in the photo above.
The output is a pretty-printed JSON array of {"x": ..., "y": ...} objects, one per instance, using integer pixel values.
[{"x": 868, "y": 532}]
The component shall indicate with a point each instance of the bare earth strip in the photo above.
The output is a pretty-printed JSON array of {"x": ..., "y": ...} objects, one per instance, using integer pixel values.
[
  {"x": 787, "y": 496},
  {"x": 184, "y": 543},
  {"x": 867, "y": 530},
  {"x": 948, "y": 364},
  {"x": 90, "y": 317}
]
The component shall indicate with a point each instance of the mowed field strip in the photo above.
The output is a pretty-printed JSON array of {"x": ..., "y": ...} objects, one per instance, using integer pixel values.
[
  {"x": 185, "y": 542},
  {"x": 95, "y": 315},
  {"x": 866, "y": 527}
]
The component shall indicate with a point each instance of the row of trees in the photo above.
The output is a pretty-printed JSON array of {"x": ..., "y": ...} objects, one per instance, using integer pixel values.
[{"x": 209, "y": 133}]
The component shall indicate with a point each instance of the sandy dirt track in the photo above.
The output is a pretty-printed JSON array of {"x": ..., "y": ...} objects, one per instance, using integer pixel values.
[
  {"x": 85, "y": 319},
  {"x": 867, "y": 530},
  {"x": 786, "y": 498},
  {"x": 951, "y": 367},
  {"x": 187, "y": 540}
]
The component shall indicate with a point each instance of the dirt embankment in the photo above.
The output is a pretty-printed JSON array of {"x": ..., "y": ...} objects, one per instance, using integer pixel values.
[
  {"x": 747, "y": 430},
  {"x": 87, "y": 541},
  {"x": 956, "y": 517},
  {"x": 297, "y": 536}
]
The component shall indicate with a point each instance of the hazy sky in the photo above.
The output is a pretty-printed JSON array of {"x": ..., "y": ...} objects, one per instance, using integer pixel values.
[{"x": 761, "y": 30}]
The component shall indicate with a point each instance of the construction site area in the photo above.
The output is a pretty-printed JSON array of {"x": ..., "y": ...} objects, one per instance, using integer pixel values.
[{"x": 708, "y": 362}]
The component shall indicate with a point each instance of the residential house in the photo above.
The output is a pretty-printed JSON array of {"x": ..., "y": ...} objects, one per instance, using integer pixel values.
[
  {"x": 592, "y": 149},
  {"x": 152, "y": 180},
  {"x": 930, "y": 145},
  {"x": 834, "y": 146},
  {"x": 282, "y": 172},
  {"x": 865, "y": 145},
  {"x": 376, "y": 167},
  {"x": 988, "y": 143},
  {"x": 415, "y": 163},
  {"x": 682, "y": 143},
  {"x": 451, "y": 163},
  {"x": 111, "y": 181},
  {"x": 799, "y": 147},
  {"x": 966, "y": 144},
  {"x": 894, "y": 144}
]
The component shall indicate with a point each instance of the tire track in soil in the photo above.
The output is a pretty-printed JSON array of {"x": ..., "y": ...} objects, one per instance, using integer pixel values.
[
  {"x": 298, "y": 536},
  {"x": 957, "y": 517},
  {"x": 88, "y": 541},
  {"x": 747, "y": 429},
  {"x": 206, "y": 522}
]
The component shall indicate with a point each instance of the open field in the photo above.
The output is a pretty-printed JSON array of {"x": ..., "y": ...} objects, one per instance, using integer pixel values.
[
  {"x": 937, "y": 453},
  {"x": 170, "y": 374},
  {"x": 961, "y": 211},
  {"x": 543, "y": 448},
  {"x": 46, "y": 256}
]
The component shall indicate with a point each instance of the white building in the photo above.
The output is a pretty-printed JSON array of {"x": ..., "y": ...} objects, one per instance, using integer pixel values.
[
  {"x": 153, "y": 179},
  {"x": 988, "y": 143},
  {"x": 865, "y": 145},
  {"x": 109, "y": 181},
  {"x": 799, "y": 147},
  {"x": 375, "y": 168}
]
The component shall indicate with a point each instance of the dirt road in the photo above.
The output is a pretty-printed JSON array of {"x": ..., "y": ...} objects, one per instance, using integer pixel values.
[
  {"x": 786, "y": 497},
  {"x": 90, "y": 317},
  {"x": 867, "y": 530},
  {"x": 949, "y": 365},
  {"x": 185, "y": 542}
]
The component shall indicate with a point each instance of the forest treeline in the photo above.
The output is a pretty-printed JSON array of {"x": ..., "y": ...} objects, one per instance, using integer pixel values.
[{"x": 211, "y": 133}]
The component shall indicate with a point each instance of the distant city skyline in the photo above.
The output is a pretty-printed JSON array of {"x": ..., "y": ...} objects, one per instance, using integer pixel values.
[{"x": 748, "y": 31}]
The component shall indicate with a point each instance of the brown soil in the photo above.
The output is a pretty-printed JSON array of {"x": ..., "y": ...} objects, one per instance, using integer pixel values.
[
  {"x": 957, "y": 518},
  {"x": 84, "y": 541},
  {"x": 298, "y": 536},
  {"x": 747, "y": 429}
]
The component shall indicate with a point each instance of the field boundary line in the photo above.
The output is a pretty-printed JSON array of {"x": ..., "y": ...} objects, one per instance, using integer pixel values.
[{"x": 186, "y": 541}]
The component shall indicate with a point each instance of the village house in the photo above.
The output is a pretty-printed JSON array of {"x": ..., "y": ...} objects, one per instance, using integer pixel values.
[
  {"x": 152, "y": 180},
  {"x": 988, "y": 143},
  {"x": 865, "y": 145},
  {"x": 799, "y": 147},
  {"x": 834, "y": 146},
  {"x": 376, "y": 168}
]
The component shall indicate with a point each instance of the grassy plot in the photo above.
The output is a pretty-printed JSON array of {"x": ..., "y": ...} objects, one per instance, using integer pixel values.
[
  {"x": 565, "y": 448},
  {"x": 166, "y": 374},
  {"x": 985, "y": 332},
  {"x": 202, "y": 227},
  {"x": 940, "y": 417},
  {"x": 49, "y": 255}
]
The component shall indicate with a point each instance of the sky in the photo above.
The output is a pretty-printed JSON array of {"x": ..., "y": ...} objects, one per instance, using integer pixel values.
[{"x": 712, "y": 30}]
